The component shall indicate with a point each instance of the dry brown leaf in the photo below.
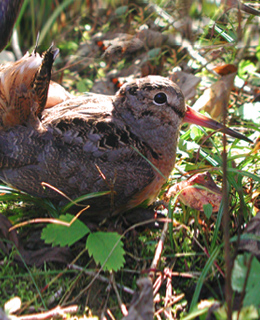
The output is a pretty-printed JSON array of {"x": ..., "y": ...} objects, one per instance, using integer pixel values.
[
  {"x": 141, "y": 307},
  {"x": 194, "y": 197},
  {"x": 187, "y": 83},
  {"x": 56, "y": 94},
  {"x": 122, "y": 43},
  {"x": 151, "y": 38},
  {"x": 31, "y": 257},
  {"x": 215, "y": 97},
  {"x": 252, "y": 246},
  {"x": 118, "y": 46},
  {"x": 225, "y": 69}
]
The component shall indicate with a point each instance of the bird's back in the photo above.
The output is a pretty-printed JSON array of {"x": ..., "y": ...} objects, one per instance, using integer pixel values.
[{"x": 82, "y": 151}]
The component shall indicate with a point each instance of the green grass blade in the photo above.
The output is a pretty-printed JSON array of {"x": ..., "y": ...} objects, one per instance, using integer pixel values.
[
  {"x": 244, "y": 173},
  {"x": 202, "y": 277},
  {"x": 84, "y": 197},
  {"x": 53, "y": 17}
]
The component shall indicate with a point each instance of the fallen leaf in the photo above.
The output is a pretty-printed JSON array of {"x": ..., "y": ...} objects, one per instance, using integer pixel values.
[
  {"x": 151, "y": 38},
  {"x": 30, "y": 257},
  {"x": 252, "y": 245},
  {"x": 56, "y": 94},
  {"x": 197, "y": 192},
  {"x": 225, "y": 69},
  {"x": 141, "y": 307},
  {"x": 187, "y": 83},
  {"x": 214, "y": 98}
]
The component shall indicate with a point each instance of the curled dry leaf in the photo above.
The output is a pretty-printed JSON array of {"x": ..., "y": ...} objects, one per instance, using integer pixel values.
[
  {"x": 141, "y": 307},
  {"x": 225, "y": 69},
  {"x": 151, "y": 38},
  {"x": 123, "y": 43},
  {"x": 214, "y": 98},
  {"x": 31, "y": 257},
  {"x": 56, "y": 94},
  {"x": 251, "y": 245},
  {"x": 195, "y": 197},
  {"x": 187, "y": 83}
]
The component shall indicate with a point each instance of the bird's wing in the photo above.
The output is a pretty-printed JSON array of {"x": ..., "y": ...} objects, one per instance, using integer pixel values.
[
  {"x": 82, "y": 151},
  {"x": 87, "y": 105}
]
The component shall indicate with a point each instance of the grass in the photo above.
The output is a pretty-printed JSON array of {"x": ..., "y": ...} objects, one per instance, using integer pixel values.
[{"x": 194, "y": 246}]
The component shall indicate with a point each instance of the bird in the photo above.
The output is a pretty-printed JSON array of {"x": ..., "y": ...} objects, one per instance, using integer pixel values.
[{"x": 124, "y": 144}]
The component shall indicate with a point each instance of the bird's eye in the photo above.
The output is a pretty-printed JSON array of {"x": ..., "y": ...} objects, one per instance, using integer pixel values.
[{"x": 160, "y": 98}]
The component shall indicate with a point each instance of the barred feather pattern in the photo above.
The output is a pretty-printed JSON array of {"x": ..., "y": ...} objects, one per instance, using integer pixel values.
[{"x": 24, "y": 87}]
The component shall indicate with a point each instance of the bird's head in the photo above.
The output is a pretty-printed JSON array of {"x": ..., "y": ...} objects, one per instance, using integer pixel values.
[{"x": 157, "y": 101}]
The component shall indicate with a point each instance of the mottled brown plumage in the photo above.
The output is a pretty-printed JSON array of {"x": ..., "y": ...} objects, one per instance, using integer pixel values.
[
  {"x": 24, "y": 87},
  {"x": 125, "y": 144},
  {"x": 97, "y": 131}
]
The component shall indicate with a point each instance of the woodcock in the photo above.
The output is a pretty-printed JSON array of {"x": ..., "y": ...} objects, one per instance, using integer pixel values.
[{"x": 125, "y": 144}]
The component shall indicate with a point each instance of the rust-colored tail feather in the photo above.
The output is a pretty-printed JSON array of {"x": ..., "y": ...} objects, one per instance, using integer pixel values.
[
  {"x": 43, "y": 77},
  {"x": 24, "y": 88}
]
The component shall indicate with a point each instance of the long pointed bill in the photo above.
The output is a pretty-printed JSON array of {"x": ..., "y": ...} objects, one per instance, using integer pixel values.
[{"x": 195, "y": 117}]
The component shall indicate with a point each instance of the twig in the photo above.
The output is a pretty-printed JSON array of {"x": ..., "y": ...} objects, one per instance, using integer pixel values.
[
  {"x": 101, "y": 268},
  {"x": 68, "y": 66},
  {"x": 173, "y": 301},
  {"x": 121, "y": 304},
  {"x": 157, "y": 283},
  {"x": 104, "y": 307},
  {"x": 100, "y": 278},
  {"x": 158, "y": 251},
  {"x": 54, "y": 313},
  {"x": 110, "y": 314},
  {"x": 226, "y": 221},
  {"x": 168, "y": 295},
  {"x": 243, "y": 293},
  {"x": 48, "y": 220}
]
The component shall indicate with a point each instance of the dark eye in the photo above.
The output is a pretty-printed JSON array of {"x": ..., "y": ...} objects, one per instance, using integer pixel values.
[{"x": 160, "y": 98}]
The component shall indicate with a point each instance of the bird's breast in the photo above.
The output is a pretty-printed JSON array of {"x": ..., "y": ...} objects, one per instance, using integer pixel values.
[{"x": 162, "y": 168}]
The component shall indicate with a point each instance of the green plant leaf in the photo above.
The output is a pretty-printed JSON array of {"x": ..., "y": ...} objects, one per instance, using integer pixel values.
[
  {"x": 196, "y": 133},
  {"x": 252, "y": 296},
  {"x": 83, "y": 198},
  {"x": 207, "y": 210},
  {"x": 202, "y": 277},
  {"x": 61, "y": 235},
  {"x": 121, "y": 10},
  {"x": 106, "y": 249},
  {"x": 246, "y": 67},
  {"x": 246, "y": 313},
  {"x": 52, "y": 18}
]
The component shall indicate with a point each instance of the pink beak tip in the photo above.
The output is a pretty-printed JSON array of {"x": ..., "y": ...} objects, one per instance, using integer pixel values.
[{"x": 197, "y": 118}]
